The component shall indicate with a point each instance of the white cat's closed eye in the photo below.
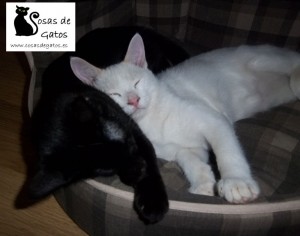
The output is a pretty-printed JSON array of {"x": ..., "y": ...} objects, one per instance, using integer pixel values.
[
  {"x": 136, "y": 83},
  {"x": 115, "y": 94}
]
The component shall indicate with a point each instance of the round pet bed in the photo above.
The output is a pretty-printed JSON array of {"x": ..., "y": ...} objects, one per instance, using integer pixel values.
[
  {"x": 271, "y": 140},
  {"x": 103, "y": 206}
]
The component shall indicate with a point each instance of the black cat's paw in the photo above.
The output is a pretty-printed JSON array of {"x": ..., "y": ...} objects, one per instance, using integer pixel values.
[
  {"x": 151, "y": 201},
  {"x": 133, "y": 173}
]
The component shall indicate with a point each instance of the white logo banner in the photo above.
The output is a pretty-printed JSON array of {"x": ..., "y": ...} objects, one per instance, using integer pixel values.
[{"x": 45, "y": 26}]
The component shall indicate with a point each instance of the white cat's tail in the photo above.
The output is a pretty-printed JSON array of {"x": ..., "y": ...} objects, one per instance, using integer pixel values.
[{"x": 295, "y": 82}]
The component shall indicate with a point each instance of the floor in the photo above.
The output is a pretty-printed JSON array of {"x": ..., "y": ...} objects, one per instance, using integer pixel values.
[{"x": 46, "y": 217}]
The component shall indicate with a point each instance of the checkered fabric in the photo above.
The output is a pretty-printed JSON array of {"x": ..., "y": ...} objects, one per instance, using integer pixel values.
[
  {"x": 213, "y": 24},
  {"x": 201, "y": 24},
  {"x": 103, "y": 206}
]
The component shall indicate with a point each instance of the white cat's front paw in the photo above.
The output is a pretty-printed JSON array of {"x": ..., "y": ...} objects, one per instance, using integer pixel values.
[
  {"x": 238, "y": 190},
  {"x": 204, "y": 189}
]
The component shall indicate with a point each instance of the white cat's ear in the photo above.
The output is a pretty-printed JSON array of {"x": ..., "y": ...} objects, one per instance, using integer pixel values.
[
  {"x": 84, "y": 71},
  {"x": 136, "y": 52}
]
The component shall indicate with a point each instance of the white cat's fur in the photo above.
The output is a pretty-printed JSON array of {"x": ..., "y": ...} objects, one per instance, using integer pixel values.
[{"x": 191, "y": 107}]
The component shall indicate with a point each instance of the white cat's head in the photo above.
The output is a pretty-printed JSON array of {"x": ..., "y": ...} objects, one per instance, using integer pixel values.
[{"x": 129, "y": 83}]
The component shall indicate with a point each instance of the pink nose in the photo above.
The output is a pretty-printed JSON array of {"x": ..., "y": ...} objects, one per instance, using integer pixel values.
[{"x": 133, "y": 100}]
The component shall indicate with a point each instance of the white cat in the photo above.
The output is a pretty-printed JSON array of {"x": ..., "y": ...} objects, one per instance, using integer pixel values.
[{"x": 191, "y": 107}]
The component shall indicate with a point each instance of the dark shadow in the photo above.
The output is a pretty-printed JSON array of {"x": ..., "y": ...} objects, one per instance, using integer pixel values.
[{"x": 29, "y": 156}]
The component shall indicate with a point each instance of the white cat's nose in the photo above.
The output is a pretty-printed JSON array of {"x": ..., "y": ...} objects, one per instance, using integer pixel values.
[{"x": 133, "y": 100}]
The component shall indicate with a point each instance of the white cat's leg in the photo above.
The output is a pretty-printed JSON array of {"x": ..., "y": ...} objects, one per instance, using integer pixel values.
[
  {"x": 199, "y": 174},
  {"x": 274, "y": 59},
  {"x": 236, "y": 184},
  {"x": 284, "y": 62}
]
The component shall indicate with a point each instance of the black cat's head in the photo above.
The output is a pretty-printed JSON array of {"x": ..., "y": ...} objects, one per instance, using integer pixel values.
[
  {"x": 22, "y": 10},
  {"x": 86, "y": 138}
]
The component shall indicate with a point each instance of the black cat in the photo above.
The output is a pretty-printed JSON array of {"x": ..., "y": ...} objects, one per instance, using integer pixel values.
[
  {"x": 23, "y": 28},
  {"x": 81, "y": 133}
]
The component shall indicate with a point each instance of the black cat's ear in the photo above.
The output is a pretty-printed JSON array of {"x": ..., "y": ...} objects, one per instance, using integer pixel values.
[
  {"x": 136, "y": 52},
  {"x": 84, "y": 71},
  {"x": 44, "y": 183}
]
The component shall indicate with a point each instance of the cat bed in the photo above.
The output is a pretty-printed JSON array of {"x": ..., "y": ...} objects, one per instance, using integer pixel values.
[{"x": 271, "y": 140}]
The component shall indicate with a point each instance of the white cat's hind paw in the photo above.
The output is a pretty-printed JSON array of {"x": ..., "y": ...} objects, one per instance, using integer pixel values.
[
  {"x": 207, "y": 189},
  {"x": 238, "y": 190}
]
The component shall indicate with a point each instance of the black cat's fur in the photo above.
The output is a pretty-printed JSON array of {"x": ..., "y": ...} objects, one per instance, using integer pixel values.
[
  {"x": 23, "y": 28},
  {"x": 81, "y": 133}
]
